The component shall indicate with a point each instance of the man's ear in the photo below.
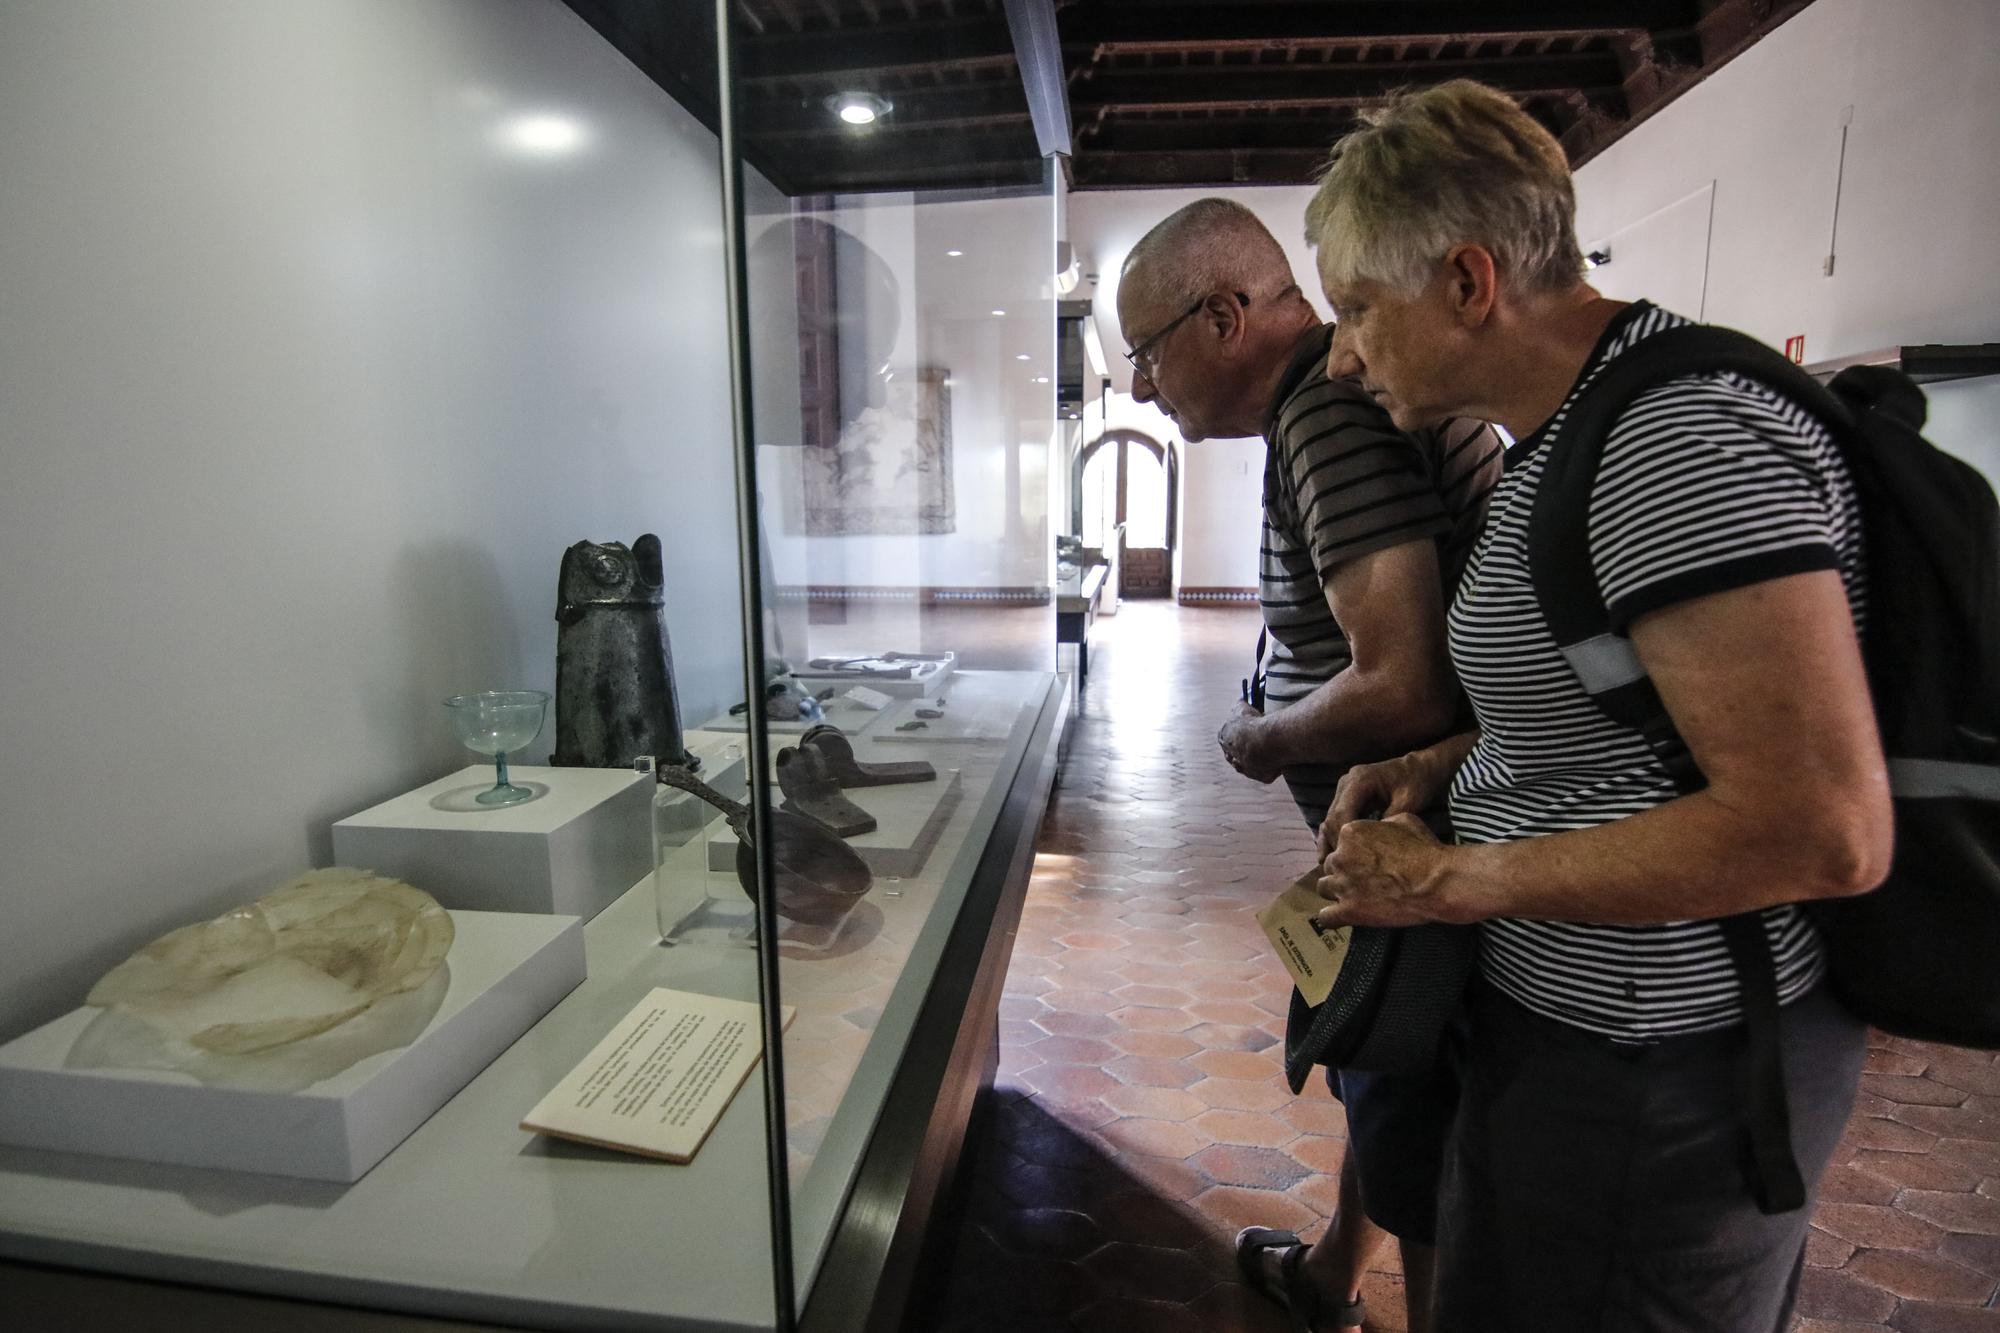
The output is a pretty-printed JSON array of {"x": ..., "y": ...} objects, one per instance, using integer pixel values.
[
  {"x": 1471, "y": 278},
  {"x": 1222, "y": 313}
]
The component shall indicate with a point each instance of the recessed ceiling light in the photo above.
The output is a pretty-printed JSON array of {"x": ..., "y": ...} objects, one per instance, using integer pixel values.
[
  {"x": 858, "y": 108},
  {"x": 1020, "y": 356},
  {"x": 543, "y": 135},
  {"x": 999, "y": 313},
  {"x": 1041, "y": 379},
  {"x": 953, "y": 254}
]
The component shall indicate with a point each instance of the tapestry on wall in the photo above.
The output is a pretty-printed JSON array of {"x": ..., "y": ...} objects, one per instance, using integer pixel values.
[{"x": 889, "y": 471}]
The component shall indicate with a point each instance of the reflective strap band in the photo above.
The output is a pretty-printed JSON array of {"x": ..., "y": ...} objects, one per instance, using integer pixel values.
[
  {"x": 1940, "y": 779},
  {"x": 1604, "y": 662}
]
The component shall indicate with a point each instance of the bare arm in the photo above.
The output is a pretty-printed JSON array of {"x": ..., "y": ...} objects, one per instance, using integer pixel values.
[
  {"x": 1766, "y": 686},
  {"x": 1399, "y": 690}
]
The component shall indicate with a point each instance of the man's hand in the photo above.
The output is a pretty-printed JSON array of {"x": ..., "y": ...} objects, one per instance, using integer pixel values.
[
  {"x": 1244, "y": 739},
  {"x": 1383, "y": 873}
]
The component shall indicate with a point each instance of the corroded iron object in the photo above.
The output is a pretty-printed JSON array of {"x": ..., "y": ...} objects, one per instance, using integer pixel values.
[
  {"x": 820, "y": 878},
  {"x": 838, "y": 751},
  {"x": 810, "y": 790},
  {"x": 615, "y": 696}
]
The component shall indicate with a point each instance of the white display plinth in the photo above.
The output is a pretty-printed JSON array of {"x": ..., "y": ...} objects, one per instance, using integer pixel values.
[
  {"x": 925, "y": 684},
  {"x": 579, "y": 844},
  {"x": 503, "y": 973}
]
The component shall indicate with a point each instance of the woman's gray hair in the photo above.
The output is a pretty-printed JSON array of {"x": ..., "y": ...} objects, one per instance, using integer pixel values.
[{"x": 1456, "y": 163}]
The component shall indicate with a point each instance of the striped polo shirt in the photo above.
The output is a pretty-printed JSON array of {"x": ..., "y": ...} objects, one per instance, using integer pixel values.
[
  {"x": 1340, "y": 482},
  {"x": 1707, "y": 483}
]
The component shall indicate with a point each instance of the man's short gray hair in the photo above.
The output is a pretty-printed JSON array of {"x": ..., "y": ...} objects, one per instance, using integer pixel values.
[
  {"x": 1211, "y": 245},
  {"x": 1448, "y": 165}
]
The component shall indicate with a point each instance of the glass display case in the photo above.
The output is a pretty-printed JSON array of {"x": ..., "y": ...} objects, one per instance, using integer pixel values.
[{"x": 781, "y": 298}]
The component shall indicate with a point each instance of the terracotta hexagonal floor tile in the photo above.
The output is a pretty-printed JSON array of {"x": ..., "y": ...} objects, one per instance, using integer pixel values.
[
  {"x": 1157, "y": 1045},
  {"x": 1157, "y": 1138},
  {"x": 1251, "y": 1129},
  {"x": 1228, "y": 1037},
  {"x": 1920, "y": 1277},
  {"x": 1232, "y": 1306},
  {"x": 1152, "y": 1072},
  {"x": 1877, "y": 1133},
  {"x": 1073, "y": 1050},
  {"x": 1171, "y": 1179},
  {"x": 1068, "y": 1083},
  {"x": 1926, "y": 1317},
  {"x": 1050, "y": 1233},
  {"x": 1826, "y": 1293},
  {"x": 1235, "y": 1094},
  {"x": 1147, "y": 1271},
  {"x": 1154, "y": 1020},
  {"x": 1239, "y": 1064},
  {"x": 1155, "y": 1103},
  {"x": 1318, "y": 1152},
  {"x": 1067, "y": 1023},
  {"x": 1954, "y": 1211},
  {"x": 1920, "y": 1170},
  {"x": 1253, "y": 1168},
  {"x": 1314, "y": 1112},
  {"x": 1154, "y": 997},
  {"x": 1230, "y": 1208},
  {"x": 1979, "y": 1253},
  {"x": 1912, "y": 1091},
  {"x": 1824, "y": 1250},
  {"x": 1876, "y": 1227}
]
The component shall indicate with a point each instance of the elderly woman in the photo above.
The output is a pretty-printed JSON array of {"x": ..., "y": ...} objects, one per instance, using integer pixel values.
[{"x": 1596, "y": 1177}]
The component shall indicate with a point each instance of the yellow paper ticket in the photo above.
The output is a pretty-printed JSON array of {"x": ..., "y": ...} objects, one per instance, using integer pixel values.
[{"x": 1312, "y": 953}]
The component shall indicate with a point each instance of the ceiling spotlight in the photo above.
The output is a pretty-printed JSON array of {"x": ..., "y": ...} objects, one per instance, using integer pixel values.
[
  {"x": 953, "y": 254},
  {"x": 999, "y": 313},
  {"x": 1020, "y": 356},
  {"x": 858, "y": 108},
  {"x": 1041, "y": 379}
]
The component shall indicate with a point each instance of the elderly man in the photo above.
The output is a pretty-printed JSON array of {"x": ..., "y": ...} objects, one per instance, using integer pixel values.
[
  {"x": 1364, "y": 531},
  {"x": 1598, "y": 1175}
]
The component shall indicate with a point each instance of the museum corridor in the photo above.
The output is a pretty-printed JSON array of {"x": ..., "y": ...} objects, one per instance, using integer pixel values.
[{"x": 1141, "y": 1117}]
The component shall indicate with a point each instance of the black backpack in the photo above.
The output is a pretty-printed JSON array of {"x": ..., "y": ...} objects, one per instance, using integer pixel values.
[{"x": 1920, "y": 956}]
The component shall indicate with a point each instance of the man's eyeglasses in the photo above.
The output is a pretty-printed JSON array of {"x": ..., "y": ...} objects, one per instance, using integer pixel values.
[{"x": 1146, "y": 353}]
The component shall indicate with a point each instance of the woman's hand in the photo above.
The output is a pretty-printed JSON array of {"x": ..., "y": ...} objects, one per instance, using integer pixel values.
[
  {"x": 1383, "y": 873},
  {"x": 1409, "y": 785}
]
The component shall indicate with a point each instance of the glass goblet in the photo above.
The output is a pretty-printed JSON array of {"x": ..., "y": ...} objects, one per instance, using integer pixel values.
[{"x": 498, "y": 723}]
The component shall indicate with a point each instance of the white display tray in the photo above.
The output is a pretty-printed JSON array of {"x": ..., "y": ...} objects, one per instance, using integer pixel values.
[
  {"x": 909, "y": 818},
  {"x": 503, "y": 973},
  {"x": 932, "y": 675},
  {"x": 579, "y": 844}
]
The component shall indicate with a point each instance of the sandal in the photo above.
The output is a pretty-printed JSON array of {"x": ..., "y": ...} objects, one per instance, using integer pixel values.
[{"x": 1309, "y": 1313}]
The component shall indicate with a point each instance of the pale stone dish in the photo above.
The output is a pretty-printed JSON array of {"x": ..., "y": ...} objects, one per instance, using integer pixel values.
[{"x": 280, "y": 993}]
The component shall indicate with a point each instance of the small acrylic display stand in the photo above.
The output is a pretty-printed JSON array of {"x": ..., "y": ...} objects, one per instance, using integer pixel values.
[{"x": 698, "y": 903}]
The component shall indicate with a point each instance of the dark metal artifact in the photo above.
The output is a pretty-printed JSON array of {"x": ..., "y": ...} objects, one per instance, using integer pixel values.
[
  {"x": 838, "y": 751},
  {"x": 819, "y": 877},
  {"x": 810, "y": 790},
  {"x": 615, "y": 694}
]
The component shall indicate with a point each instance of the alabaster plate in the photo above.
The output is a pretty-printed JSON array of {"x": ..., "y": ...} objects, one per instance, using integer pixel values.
[{"x": 303, "y": 960}]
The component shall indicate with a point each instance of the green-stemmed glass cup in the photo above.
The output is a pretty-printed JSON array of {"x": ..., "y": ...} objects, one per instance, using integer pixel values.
[{"x": 499, "y": 723}]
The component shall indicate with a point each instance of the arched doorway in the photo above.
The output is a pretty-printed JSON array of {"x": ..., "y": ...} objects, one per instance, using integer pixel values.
[{"x": 1135, "y": 482}]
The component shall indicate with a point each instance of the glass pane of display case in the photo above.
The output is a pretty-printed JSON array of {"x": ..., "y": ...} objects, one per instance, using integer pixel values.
[
  {"x": 900, "y": 328},
  {"x": 403, "y": 360}
]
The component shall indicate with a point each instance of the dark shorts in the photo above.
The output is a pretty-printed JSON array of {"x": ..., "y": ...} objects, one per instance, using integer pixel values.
[
  {"x": 1397, "y": 1125},
  {"x": 1596, "y": 1186}
]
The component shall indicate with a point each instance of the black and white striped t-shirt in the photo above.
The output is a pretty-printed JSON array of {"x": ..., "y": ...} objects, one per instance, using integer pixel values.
[
  {"x": 1707, "y": 483},
  {"x": 1340, "y": 481}
]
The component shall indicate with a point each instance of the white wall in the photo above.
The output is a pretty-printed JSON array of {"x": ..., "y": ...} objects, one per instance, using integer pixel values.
[
  {"x": 310, "y": 373},
  {"x": 1723, "y": 204}
]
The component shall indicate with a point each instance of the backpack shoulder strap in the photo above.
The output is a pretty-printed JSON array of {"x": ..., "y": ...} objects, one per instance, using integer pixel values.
[
  {"x": 1572, "y": 602},
  {"x": 1559, "y": 562}
]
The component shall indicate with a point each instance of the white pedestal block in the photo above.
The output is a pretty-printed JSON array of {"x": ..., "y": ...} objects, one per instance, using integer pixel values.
[
  {"x": 503, "y": 973},
  {"x": 579, "y": 844}
]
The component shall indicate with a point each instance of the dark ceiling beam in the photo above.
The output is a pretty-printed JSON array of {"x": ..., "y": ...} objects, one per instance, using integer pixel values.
[
  {"x": 1197, "y": 87},
  {"x": 913, "y": 156},
  {"x": 958, "y": 107},
  {"x": 864, "y": 53},
  {"x": 1292, "y": 134},
  {"x": 931, "y": 177},
  {"x": 1260, "y": 166},
  {"x": 1160, "y": 27}
]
